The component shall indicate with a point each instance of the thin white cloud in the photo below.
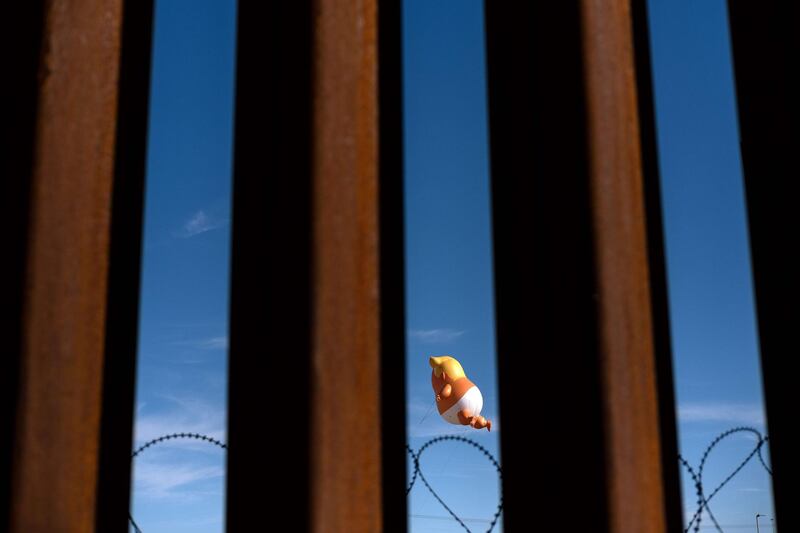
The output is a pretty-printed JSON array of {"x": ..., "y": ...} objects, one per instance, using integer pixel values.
[
  {"x": 179, "y": 469},
  {"x": 435, "y": 336},
  {"x": 750, "y": 414},
  {"x": 211, "y": 343},
  {"x": 188, "y": 523},
  {"x": 182, "y": 415},
  {"x": 160, "y": 480},
  {"x": 199, "y": 223}
]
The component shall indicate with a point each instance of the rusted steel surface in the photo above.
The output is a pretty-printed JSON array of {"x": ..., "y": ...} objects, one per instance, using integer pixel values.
[
  {"x": 345, "y": 422},
  {"x": 636, "y": 499},
  {"x": 67, "y": 188},
  {"x": 765, "y": 56},
  {"x": 307, "y": 248},
  {"x": 55, "y": 463},
  {"x": 574, "y": 308}
]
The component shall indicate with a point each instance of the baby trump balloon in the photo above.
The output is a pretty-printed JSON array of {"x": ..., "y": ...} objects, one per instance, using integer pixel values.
[{"x": 458, "y": 399}]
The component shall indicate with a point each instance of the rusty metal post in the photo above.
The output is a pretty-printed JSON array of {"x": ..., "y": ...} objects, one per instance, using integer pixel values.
[
  {"x": 78, "y": 155},
  {"x": 573, "y": 285},
  {"x": 315, "y": 309},
  {"x": 345, "y": 340},
  {"x": 765, "y": 56}
]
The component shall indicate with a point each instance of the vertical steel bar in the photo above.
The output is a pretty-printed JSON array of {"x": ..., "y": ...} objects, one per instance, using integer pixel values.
[
  {"x": 634, "y": 469},
  {"x": 765, "y": 52},
  {"x": 308, "y": 307},
  {"x": 57, "y": 429},
  {"x": 124, "y": 264},
  {"x": 70, "y": 169},
  {"x": 21, "y": 47},
  {"x": 574, "y": 308},
  {"x": 271, "y": 265},
  {"x": 544, "y": 288},
  {"x": 345, "y": 371},
  {"x": 392, "y": 266},
  {"x": 657, "y": 266}
]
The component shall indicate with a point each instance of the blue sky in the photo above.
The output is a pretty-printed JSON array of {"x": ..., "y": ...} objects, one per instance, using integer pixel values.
[
  {"x": 715, "y": 343},
  {"x": 181, "y": 383},
  {"x": 181, "y": 386},
  {"x": 449, "y": 293}
]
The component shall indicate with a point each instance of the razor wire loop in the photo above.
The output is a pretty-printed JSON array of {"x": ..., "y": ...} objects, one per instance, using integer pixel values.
[
  {"x": 416, "y": 470},
  {"x": 163, "y": 438},
  {"x": 697, "y": 476},
  {"x": 414, "y": 456},
  {"x": 195, "y": 436},
  {"x": 133, "y": 524},
  {"x": 457, "y": 438}
]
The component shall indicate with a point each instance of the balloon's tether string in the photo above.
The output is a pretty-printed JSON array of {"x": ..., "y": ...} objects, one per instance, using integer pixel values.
[{"x": 430, "y": 410}]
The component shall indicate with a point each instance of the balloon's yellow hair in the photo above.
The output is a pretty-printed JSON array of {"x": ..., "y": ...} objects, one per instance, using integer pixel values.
[{"x": 448, "y": 364}]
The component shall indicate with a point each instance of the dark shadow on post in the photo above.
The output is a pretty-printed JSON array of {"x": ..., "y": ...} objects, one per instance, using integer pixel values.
[
  {"x": 270, "y": 316},
  {"x": 122, "y": 311},
  {"x": 392, "y": 266},
  {"x": 21, "y": 47},
  {"x": 766, "y": 49},
  {"x": 662, "y": 336}
]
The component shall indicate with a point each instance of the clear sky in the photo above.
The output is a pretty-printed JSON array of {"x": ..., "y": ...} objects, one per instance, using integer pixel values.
[{"x": 183, "y": 326}]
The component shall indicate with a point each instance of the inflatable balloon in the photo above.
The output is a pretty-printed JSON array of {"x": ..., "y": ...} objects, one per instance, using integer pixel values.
[{"x": 458, "y": 399}]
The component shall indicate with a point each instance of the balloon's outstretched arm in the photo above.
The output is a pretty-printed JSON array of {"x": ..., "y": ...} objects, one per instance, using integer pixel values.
[{"x": 446, "y": 391}]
